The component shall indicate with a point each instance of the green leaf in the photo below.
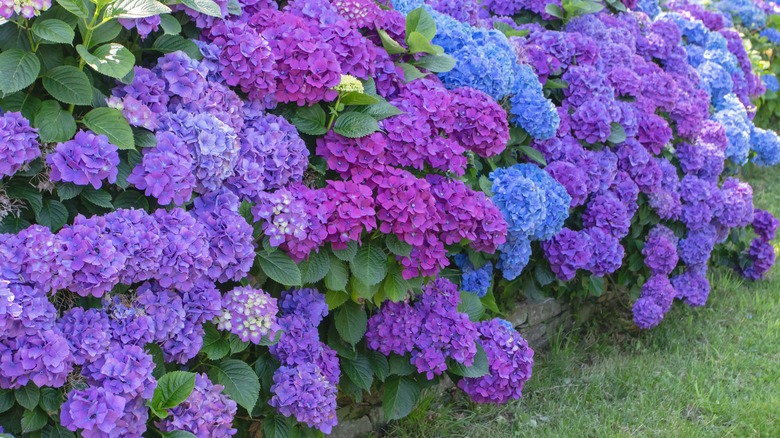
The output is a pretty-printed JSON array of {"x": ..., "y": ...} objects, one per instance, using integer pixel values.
[
  {"x": 420, "y": 21},
  {"x": 355, "y": 125},
  {"x": 12, "y": 224},
  {"x": 369, "y": 264},
  {"x": 18, "y": 69},
  {"x": 207, "y": 7},
  {"x": 241, "y": 383},
  {"x": 358, "y": 98},
  {"x": 400, "y": 396},
  {"x": 53, "y": 215},
  {"x": 359, "y": 371},
  {"x": 335, "y": 298},
  {"x": 348, "y": 253},
  {"x": 75, "y": 7},
  {"x": 178, "y": 434},
  {"x": 410, "y": 72},
  {"x": 214, "y": 345},
  {"x": 54, "y": 124},
  {"x": 135, "y": 9},
  {"x": 471, "y": 305},
  {"x": 489, "y": 301},
  {"x": 337, "y": 276},
  {"x": 390, "y": 45},
  {"x": 398, "y": 247},
  {"x": 555, "y": 84},
  {"x": 277, "y": 426},
  {"x": 158, "y": 358},
  {"x": 51, "y": 400},
  {"x": 99, "y": 197},
  {"x": 310, "y": 120},
  {"x": 554, "y": 10},
  {"x": 508, "y": 30},
  {"x": 382, "y": 110},
  {"x": 358, "y": 289},
  {"x": 56, "y": 431},
  {"x": 479, "y": 368},
  {"x": 169, "y": 24},
  {"x": 379, "y": 365},
  {"x": 174, "y": 43},
  {"x": 131, "y": 199},
  {"x": 533, "y": 154},
  {"x": 237, "y": 345},
  {"x": 396, "y": 287},
  {"x": 111, "y": 123},
  {"x": 68, "y": 190},
  {"x": 68, "y": 84},
  {"x": 280, "y": 268},
  {"x": 53, "y": 31},
  {"x": 351, "y": 322},
  {"x": 419, "y": 44},
  {"x": 172, "y": 389},
  {"x": 23, "y": 190},
  {"x": 34, "y": 420},
  {"x": 436, "y": 63},
  {"x": 104, "y": 33},
  {"x": 617, "y": 134},
  {"x": 315, "y": 268},
  {"x": 7, "y": 400},
  {"x": 28, "y": 396},
  {"x": 26, "y": 104},
  {"x": 112, "y": 59},
  {"x": 400, "y": 365}
]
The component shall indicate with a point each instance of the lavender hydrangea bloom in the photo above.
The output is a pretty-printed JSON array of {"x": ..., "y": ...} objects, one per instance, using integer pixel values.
[
  {"x": 692, "y": 287},
  {"x": 94, "y": 410},
  {"x": 303, "y": 392},
  {"x": 164, "y": 309},
  {"x": 510, "y": 362},
  {"x": 567, "y": 252},
  {"x": 18, "y": 143},
  {"x": 92, "y": 259},
  {"x": 660, "y": 250},
  {"x": 88, "y": 332},
  {"x": 696, "y": 247},
  {"x": 87, "y": 159},
  {"x": 608, "y": 213},
  {"x": 766, "y": 145},
  {"x": 394, "y": 328},
  {"x": 765, "y": 225},
  {"x": 124, "y": 370},
  {"x": 760, "y": 259},
  {"x": 206, "y": 413},
  {"x": 608, "y": 253},
  {"x": 185, "y": 249},
  {"x": 249, "y": 313},
  {"x": 308, "y": 303},
  {"x": 165, "y": 171},
  {"x": 737, "y": 204},
  {"x": 656, "y": 299}
]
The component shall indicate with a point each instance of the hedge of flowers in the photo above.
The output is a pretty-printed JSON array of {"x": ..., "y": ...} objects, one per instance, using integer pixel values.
[{"x": 222, "y": 217}]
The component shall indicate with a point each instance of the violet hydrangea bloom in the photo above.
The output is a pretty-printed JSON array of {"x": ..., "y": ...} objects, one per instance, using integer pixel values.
[
  {"x": 656, "y": 299},
  {"x": 473, "y": 280},
  {"x": 164, "y": 310},
  {"x": 760, "y": 259},
  {"x": 185, "y": 249},
  {"x": 567, "y": 252},
  {"x": 165, "y": 172},
  {"x": 249, "y": 313},
  {"x": 692, "y": 287},
  {"x": 660, "y": 250},
  {"x": 765, "y": 225},
  {"x": 88, "y": 332},
  {"x": 608, "y": 253},
  {"x": 18, "y": 143},
  {"x": 206, "y": 413},
  {"x": 94, "y": 410},
  {"x": 87, "y": 159},
  {"x": 303, "y": 393}
]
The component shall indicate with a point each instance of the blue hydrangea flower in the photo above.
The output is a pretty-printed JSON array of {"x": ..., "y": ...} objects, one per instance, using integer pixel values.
[
  {"x": 771, "y": 83},
  {"x": 474, "y": 280},
  {"x": 766, "y": 144}
]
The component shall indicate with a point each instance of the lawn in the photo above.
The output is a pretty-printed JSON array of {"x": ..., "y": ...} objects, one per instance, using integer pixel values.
[{"x": 706, "y": 372}]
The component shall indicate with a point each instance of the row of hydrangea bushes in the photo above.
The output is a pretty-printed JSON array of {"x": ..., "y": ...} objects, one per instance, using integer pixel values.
[{"x": 234, "y": 216}]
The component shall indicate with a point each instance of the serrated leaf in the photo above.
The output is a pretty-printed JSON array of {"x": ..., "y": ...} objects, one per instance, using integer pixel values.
[
  {"x": 237, "y": 345},
  {"x": 471, "y": 305},
  {"x": 410, "y": 72},
  {"x": 207, "y": 7},
  {"x": 396, "y": 287},
  {"x": 382, "y": 110},
  {"x": 400, "y": 365},
  {"x": 369, "y": 264},
  {"x": 419, "y": 20},
  {"x": 54, "y": 124},
  {"x": 280, "y": 268},
  {"x": 277, "y": 426},
  {"x": 53, "y": 31},
  {"x": 533, "y": 154},
  {"x": 136, "y": 9},
  {"x": 400, "y": 396},
  {"x": 111, "y": 123},
  {"x": 158, "y": 358},
  {"x": 169, "y": 24},
  {"x": 174, "y": 43},
  {"x": 101, "y": 198},
  {"x": 26, "y": 104},
  {"x": 131, "y": 199},
  {"x": 112, "y": 59},
  {"x": 53, "y": 215},
  {"x": 554, "y": 10},
  {"x": 358, "y": 289},
  {"x": 18, "y": 69},
  {"x": 379, "y": 364},
  {"x": 351, "y": 322},
  {"x": 28, "y": 396},
  {"x": 215, "y": 346},
  {"x": 12, "y": 224},
  {"x": 241, "y": 383},
  {"x": 51, "y": 400},
  {"x": 419, "y": 44},
  {"x": 335, "y": 298},
  {"x": 75, "y": 7},
  {"x": 56, "y": 431},
  {"x": 390, "y": 45},
  {"x": 310, "y": 120},
  {"x": 355, "y": 125},
  {"x": 436, "y": 63},
  {"x": 315, "y": 268},
  {"x": 7, "y": 400},
  {"x": 104, "y": 33},
  {"x": 144, "y": 138},
  {"x": 358, "y": 98},
  {"x": 68, "y": 190},
  {"x": 359, "y": 371},
  {"x": 172, "y": 389},
  {"x": 479, "y": 368},
  {"x": 348, "y": 253},
  {"x": 34, "y": 420},
  {"x": 337, "y": 276},
  {"x": 397, "y": 247},
  {"x": 68, "y": 84}
]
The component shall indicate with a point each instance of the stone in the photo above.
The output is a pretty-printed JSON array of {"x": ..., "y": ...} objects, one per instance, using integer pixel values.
[
  {"x": 353, "y": 428},
  {"x": 542, "y": 311},
  {"x": 377, "y": 417},
  {"x": 518, "y": 315},
  {"x": 535, "y": 335}
]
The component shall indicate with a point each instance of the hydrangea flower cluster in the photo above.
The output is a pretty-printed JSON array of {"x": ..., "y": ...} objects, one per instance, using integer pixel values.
[
  {"x": 249, "y": 313},
  {"x": 207, "y": 412},
  {"x": 760, "y": 256},
  {"x": 18, "y": 143},
  {"x": 88, "y": 159}
]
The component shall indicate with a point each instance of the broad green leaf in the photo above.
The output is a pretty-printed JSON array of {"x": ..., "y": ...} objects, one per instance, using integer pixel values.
[
  {"x": 169, "y": 24},
  {"x": 172, "y": 389},
  {"x": 280, "y": 268},
  {"x": 68, "y": 84},
  {"x": 123, "y": 170},
  {"x": 56, "y": 431},
  {"x": 28, "y": 396},
  {"x": 104, "y": 33},
  {"x": 99, "y": 197},
  {"x": 33, "y": 420},
  {"x": 420, "y": 21},
  {"x": 348, "y": 253},
  {"x": 51, "y": 400},
  {"x": 18, "y": 69},
  {"x": 337, "y": 276},
  {"x": 241, "y": 383},
  {"x": 400, "y": 396},
  {"x": 355, "y": 125},
  {"x": 174, "y": 43},
  {"x": 54, "y": 124},
  {"x": 112, "y": 59},
  {"x": 554, "y": 10},
  {"x": 471, "y": 305},
  {"x": 178, "y": 434},
  {"x": 395, "y": 286},
  {"x": 26, "y": 104},
  {"x": 533, "y": 154},
  {"x": 277, "y": 426},
  {"x": 207, "y": 7},
  {"x": 489, "y": 301},
  {"x": 369, "y": 264},
  {"x": 144, "y": 138},
  {"x": 111, "y": 123},
  {"x": 397, "y": 247},
  {"x": 75, "y": 7},
  {"x": 315, "y": 268},
  {"x": 379, "y": 364},
  {"x": 335, "y": 298},
  {"x": 131, "y": 199},
  {"x": 358, "y": 98},
  {"x": 351, "y": 322},
  {"x": 310, "y": 120},
  {"x": 214, "y": 344},
  {"x": 158, "y": 358},
  {"x": 53, "y": 215},
  {"x": 382, "y": 110},
  {"x": 135, "y": 9},
  {"x": 21, "y": 190},
  {"x": 400, "y": 365},
  {"x": 12, "y": 224},
  {"x": 410, "y": 72},
  {"x": 53, "y": 31},
  {"x": 237, "y": 345},
  {"x": 7, "y": 400},
  {"x": 419, "y": 44},
  {"x": 358, "y": 289},
  {"x": 359, "y": 371},
  {"x": 479, "y": 368},
  {"x": 390, "y": 45},
  {"x": 436, "y": 63},
  {"x": 486, "y": 185},
  {"x": 617, "y": 134}
]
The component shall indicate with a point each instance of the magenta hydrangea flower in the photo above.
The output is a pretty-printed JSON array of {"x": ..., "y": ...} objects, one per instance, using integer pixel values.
[
  {"x": 165, "y": 172},
  {"x": 87, "y": 159},
  {"x": 352, "y": 207},
  {"x": 510, "y": 362},
  {"x": 480, "y": 123},
  {"x": 355, "y": 158},
  {"x": 18, "y": 143},
  {"x": 405, "y": 205},
  {"x": 206, "y": 413},
  {"x": 249, "y": 313}
]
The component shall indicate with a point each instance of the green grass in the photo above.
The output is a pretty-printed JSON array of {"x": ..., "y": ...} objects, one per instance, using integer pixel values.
[{"x": 706, "y": 372}]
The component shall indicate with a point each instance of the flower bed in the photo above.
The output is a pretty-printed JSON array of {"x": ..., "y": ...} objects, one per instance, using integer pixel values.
[{"x": 226, "y": 217}]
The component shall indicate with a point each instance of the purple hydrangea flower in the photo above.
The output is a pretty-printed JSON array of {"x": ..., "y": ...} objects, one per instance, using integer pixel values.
[
  {"x": 94, "y": 410},
  {"x": 692, "y": 287},
  {"x": 765, "y": 225},
  {"x": 660, "y": 250},
  {"x": 304, "y": 393},
  {"x": 760, "y": 259},
  {"x": 87, "y": 159},
  {"x": 249, "y": 313},
  {"x": 567, "y": 252},
  {"x": 88, "y": 332},
  {"x": 656, "y": 299},
  {"x": 206, "y": 413},
  {"x": 165, "y": 171},
  {"x": 18, "y": 143}
]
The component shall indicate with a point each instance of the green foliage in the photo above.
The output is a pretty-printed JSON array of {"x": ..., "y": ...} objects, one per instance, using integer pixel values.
[
  {"x": 240, "y": 381},
  {"x": 172, "y": 389}
]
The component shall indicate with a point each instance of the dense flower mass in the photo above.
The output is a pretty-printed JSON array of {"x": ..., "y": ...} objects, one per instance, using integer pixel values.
[
  {"x": 18, "y": 143},
  {"x": 88, "y": 159}
]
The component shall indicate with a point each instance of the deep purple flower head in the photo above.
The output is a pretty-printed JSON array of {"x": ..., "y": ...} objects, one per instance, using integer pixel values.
[
  {"x": 206, "y": 413},
  {"x": 87, "y": 159},
  {"x": 165, "y": 171},
  {"x": 249, "y": 313},
  {"x": 185, "y": 249},
  {"x": 608, "y": 253},
  {"x": 696, "y": 247},
  {"x": 765, "y": 225},
  {"x": 88, "y": 332},
  {"x": 591, "y": 121},
  {"x": 654, "y": 133},
  {"x": 572, "y": 178},
  {"x": 18, "y": 143},
  {"x": 608, "y": 213},
  {"x": 307, "y": 303},
  {"x": 481, "y": 124},
  {"x": 660, "y": 250},
  {"x": 567, "y": 252},
  {"x": 94, "y": 410},
  {"x": 634, "y": 159},
  {"x": 303, "y": 392},
  {"x": 737, "y": 204},
  {"x": 692, "y": 287},
  {"x": 90, "y": 257},
  {"x": 352, "y": 207},
  {"x": 656, "y": 299},
  {"x": 760, "y": 259}
]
